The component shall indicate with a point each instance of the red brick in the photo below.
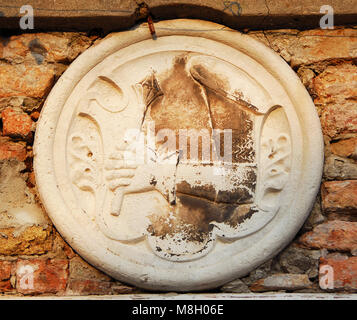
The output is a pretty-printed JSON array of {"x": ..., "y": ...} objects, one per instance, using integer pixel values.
[
  {"x": 319, "y": 45},
  {"x": 44, "y": 47},
  {"x": 41, "y": 276},
  {"x": 88, "y": 287},
  {"x": 339, "y": 119},
  {"x": 345, "y": 148},
  {"x": 25, "y": 80},
  {"x": 336, "y": 92},
  {"x": 35, "y": 115},
  {"x": 283, "y": 281},
  {"x": 80, "y": 269},
  {"x": 31, "y": 180},
  {"x": 339, "y": 196},
  {"x": 344, "y": 273},
  {"x": 333, "y": 235},
  {"x": 5, "y": 274},
  {"x": 5, "y": 286},
  {"x": 5, "y": 270},
  {"x": 12, "y": 150},
  {"x": 16, "y": 124},
  {"x": 119, "y": 288},
  {"x": 33, "y": 239},
  {"x": 336, "y": 83}
]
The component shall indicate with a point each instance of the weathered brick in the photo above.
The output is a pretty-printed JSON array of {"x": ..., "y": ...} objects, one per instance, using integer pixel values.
[
  {"x": 5, "y": 286},
  {"x": 120, "y": 288},
  {"x": 35, "y": 115},
  {"x": 336, "y": 90},
  {"x": 19, "y": 210},
  {"x": 77, "y": 287},
  {"x": 297, "y": 260},
  {"x": 344, "y": 273},
  {"x": 319, "y": 45},
  {"x": 16, "y": 124},
  {"x": 25, "y": 80},
  {"x": 339, "y": 196},
  {"x": 338, "y": 120},
  {"x": 81, "y": 270},
  {"x": 32, "y": 240},
  {"x": 282, "y": 281},
  {"x": 12, "y": 150},
  {"x": 235, "y": 286},
  {"x": 41, "y": 276},
  {"x": 44, "y": 47},
  {"x": 5, "y": 274},
  {"x": 5, "y": 270},
  {"x": 85, "y": 279},
  {"x": 31, "y": 180},
  {"x": 333, "y": 235},
  {"x": 338, "y": 168},
  {"x": 345, "y": 148},
  {"x": 88, "y": 287},
  {"x": 336, "y": 83}
]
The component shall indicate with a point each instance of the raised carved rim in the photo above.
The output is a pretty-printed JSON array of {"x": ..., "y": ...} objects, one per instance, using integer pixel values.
[{"x": 191, "y": 276}]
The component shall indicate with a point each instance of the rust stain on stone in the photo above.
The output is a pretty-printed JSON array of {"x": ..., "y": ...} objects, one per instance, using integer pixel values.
[
  {"x": 195, "y": 218},
  {"x": 199, "y": 99}
]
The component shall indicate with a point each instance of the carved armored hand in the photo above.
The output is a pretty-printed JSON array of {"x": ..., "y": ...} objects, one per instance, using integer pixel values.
[
  {"x": 120, "y": 171},
  {"x": 125, "y": 174}
]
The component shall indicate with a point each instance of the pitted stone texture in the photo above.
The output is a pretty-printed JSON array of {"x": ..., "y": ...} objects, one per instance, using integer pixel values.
[
  {"x": 300, "y": 261},
  {"x": 332, "y": 235},
  {"x": 25, "y": 80},
  {"x": 28, "y": 241},
  {"x": 336, "y": 84},
  {"x": 336, "y": 90},
  {"x": 24, "y": 228},
  {"x": 317, "y": 46},
  {"x": 41, "y": 48},
  {"x": 339, "y": 196},
  {"x": 5, "y": 274},
  {"x": 344, "y": 273},
  {"x": 282, "y": 281},
  {"x": 38, "y": 276},
  {"x": 338, "y": 168},
  {"x": 12, "y": 150},
  {"x": 339, "y": 120},
  {"x": 345, "y": 148},
  {"x": 236, "y": 286},
  {"x": 16, "y": 124},
  {"x": 316, "y": 217}
]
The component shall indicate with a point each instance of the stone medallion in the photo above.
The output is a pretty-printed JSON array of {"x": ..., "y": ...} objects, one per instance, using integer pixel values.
[{"x": 178, "y": 163}]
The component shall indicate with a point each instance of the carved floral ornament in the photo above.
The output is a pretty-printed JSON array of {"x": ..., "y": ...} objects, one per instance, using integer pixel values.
[{"x": 178, "y": 163}]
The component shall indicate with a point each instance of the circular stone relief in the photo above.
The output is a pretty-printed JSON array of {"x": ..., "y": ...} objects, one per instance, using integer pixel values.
[{"x": 178, "y": 163}]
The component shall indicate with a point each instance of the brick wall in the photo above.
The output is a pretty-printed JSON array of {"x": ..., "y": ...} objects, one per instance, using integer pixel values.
[{"x": 35, "y": 260}]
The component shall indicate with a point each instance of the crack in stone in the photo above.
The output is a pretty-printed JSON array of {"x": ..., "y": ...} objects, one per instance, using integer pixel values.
[{"x": 266, "y": 4}]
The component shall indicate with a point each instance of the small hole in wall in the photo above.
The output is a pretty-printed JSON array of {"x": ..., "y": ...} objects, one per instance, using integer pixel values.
[{"x": 76, "y": 139}]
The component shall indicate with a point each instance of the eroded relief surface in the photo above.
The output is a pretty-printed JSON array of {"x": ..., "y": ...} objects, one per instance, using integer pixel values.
[{"x": 134, "y": 171}]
